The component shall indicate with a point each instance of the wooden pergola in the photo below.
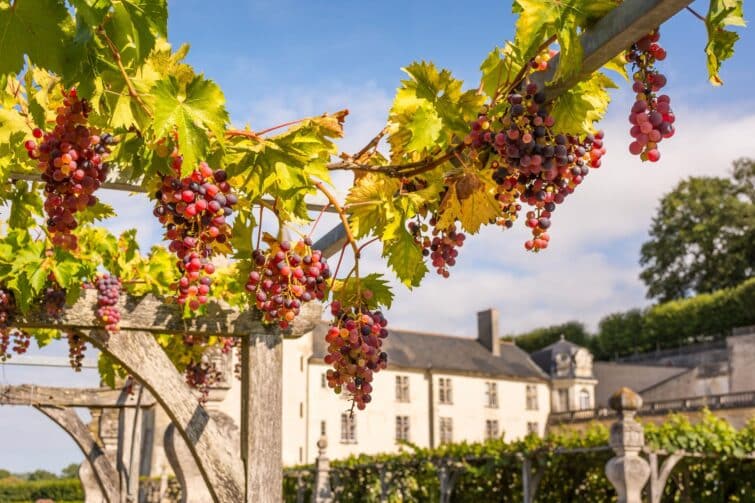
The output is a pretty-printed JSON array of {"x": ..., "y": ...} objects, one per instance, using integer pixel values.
[{"x": 252, "y": 471}]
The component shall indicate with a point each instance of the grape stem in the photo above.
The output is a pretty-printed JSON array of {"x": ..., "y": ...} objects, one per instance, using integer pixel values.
[
  {"x": 129, "y": 85},
  {"x": 347, "y": 228},
  {"x": 317, "y": 220}
]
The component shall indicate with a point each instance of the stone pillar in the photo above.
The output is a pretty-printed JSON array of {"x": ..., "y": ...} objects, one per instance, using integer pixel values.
[
  {"x": 627, "y": 471},
  {"x": 322, "y": 492}
]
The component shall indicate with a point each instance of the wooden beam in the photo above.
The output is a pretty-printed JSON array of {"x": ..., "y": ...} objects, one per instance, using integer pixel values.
[
  {"x": 261, "y": 413},
  {"x": 102, "y": 398},
  {"x": 151, "y": 314},
  {"x": 332, "y": 242},
  {"x": 612, "y": 35},
  {"x": 104, "y": 472},
  {"x": 216, "y": 456},
  {"x": 129, "y": 187}
]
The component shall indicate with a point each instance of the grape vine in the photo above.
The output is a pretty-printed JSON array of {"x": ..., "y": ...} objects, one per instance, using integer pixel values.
[
  {"x": 285, "y": 277},
  {"x": 108, "y": 293},
  {"x": 355, "y": 337},
  {"x": 651, "y": 116},
  {"x": 71, "y": 158},
  {"x": 194, "y": 210}
]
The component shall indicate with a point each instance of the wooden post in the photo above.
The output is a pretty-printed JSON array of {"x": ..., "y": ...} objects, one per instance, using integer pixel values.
[
  {"x": 214, "y": 453},
  {"x": 261, "y": 412}
]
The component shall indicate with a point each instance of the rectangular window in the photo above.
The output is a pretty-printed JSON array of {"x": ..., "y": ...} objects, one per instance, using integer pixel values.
[
  {"x": 348, "y": 428},
  {"x": 563, "y": 400},
  {"x": 446, "y": 430},
  {"x": 491, "y": 392},
  {"x": 301, "y": 409},
  {"x": 323, "y": 381},
  {"x": 532, "y": 427},
  {"x": 531, "y": 397},
  {"x": 301, "y": 455},
  {"x": 301, "y": 364},
  {"x": 402, "y": 388},
  {"x": 491, "y": 429},
  {"x": 323, "y": 429},
  {"x": 402, "y": 428},
  {"x": 445, "y": 393}
]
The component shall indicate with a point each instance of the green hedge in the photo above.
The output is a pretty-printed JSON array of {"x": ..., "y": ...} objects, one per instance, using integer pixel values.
[
  {"x": 676, "y": 323},
  {"x": 57, "y": 490},
  {"x": 491, "y": 471}
]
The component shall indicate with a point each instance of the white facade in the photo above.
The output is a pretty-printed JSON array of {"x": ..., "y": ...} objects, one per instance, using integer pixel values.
[{"x": 421, "y": 405}]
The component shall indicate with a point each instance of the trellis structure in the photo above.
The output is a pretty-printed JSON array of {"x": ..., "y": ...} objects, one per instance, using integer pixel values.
[{"x": 256, "y": 475}]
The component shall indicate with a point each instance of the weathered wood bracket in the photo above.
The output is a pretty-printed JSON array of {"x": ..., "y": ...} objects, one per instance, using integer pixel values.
[{"x": 104, "y": 472}]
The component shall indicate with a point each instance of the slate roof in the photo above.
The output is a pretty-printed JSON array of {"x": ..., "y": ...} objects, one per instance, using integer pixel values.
[
  {"x": 544, "y": 357},
  {"x": 418, "y": 350},
  {"x": 611, "y": 376}
]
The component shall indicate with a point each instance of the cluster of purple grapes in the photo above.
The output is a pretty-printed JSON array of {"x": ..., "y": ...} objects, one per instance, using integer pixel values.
[
  {"x": 285, "y": 277},
  {"x": 355, "y": 337},
  {"x": 53, "y": 299},
  {"x": 108, "y": 292},
  {"x": 71, "y": 158},
  {"x": 76, "y": 348},
  {"x": 11, "y": 339},
  {"x": 441, "y": 245},
  {"x": 201, "y": 375},
  {"x": 651, "y": 117},
  {"x": 194, "y": 210},
  {"x": 532, "y": 164}
]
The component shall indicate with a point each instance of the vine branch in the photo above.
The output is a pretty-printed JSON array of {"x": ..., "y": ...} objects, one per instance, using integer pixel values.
[
  {"x": 129, "y": 84},
  {"x": 341, "y": 214}
]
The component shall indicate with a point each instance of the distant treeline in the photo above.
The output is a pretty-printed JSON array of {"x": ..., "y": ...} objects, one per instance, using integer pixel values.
[{"x": 667, "y": 325}]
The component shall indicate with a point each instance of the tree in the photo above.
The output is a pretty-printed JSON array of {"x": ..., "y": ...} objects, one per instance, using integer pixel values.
[
  {"x": 702, "y": 237},
  {"x": 4, "y": 473},
  {"x": 41, "y": 475},
  {"x": 538, "y": 338},
  {"x": 70, "y": 472},
  {"x": 618, "y": 333}
]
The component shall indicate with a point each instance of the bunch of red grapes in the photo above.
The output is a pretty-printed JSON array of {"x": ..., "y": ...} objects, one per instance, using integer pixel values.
[
  {"x": 108, "y": 292},
  {"x": 10, "y": 339},
  {"x": 71, "y": 158},
  {"x": 53, "y": 298},
  {"x": 201, "y": 376},
  {"x": 532, "y": 163},
  {"x": 76, "y": 348},
  {"x": 441, "y": 246},
  {"x": 286, "y": 276},
  {"x": 651, "y": 117},
  {"x": 355, "y": 337},
  {"x": 194, "y": 210}
]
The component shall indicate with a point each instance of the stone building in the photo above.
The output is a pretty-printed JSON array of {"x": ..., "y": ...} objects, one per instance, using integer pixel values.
[
  {"x": 436, "y": 389},
  {"x": 570, "y": 369}
]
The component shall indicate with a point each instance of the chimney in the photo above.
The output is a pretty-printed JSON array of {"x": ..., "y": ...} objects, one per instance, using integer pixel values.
[{"x": 487, "y": 331}]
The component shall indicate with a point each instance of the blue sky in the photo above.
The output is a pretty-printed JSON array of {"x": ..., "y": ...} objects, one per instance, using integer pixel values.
[{"x": 280, "y": 60}]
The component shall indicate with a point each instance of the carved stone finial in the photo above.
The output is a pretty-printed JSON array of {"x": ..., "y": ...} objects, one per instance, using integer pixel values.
[
  {"x": 322, "y": 445},
  {"x": 625, "y": 400}
]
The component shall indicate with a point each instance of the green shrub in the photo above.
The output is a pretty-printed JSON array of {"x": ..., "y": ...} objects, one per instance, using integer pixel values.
[
  {"x": 56, "y": 490},
  {"x": 492, "y": 471}
]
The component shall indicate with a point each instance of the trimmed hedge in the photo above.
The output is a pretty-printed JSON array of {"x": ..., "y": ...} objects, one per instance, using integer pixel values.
[
  {"x": 57, "y": 490},
  {"x": 676, "y": 323},
  {"x": 491, "y": 471}
]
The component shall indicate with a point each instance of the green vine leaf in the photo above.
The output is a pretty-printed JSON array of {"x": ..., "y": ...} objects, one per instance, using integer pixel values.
[
  {"x": 37, "y": 29},
  {"x": 374, "y": 289},
  {"x": 405, "y": 258},
  {"x": 578, "y": 109},
  {"x": 720, "y": 46},
  {"x": 192, "y": 112},
  {"x": 134, "y": 26}
]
